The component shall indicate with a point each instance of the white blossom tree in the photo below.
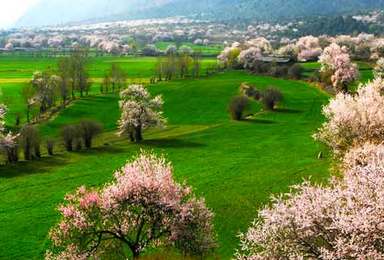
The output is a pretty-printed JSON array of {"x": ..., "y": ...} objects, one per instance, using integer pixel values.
[
  {"x": 353, "y": 120},
  {"x": 139, "y": 111},
  {"x": 378, "y": 70},
  {"x": 8, "y": 141}
]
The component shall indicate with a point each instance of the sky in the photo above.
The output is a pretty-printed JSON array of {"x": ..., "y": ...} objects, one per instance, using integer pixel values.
[{"x": 12, "y": 10}]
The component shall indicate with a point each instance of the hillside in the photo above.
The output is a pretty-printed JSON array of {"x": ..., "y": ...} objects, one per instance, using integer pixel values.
[
  {"x": 234, "y": 165},
  {"x": 61, "y": 11}
]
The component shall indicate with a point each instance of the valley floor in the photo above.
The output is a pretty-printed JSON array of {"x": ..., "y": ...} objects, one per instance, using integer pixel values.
[{"x": 236, "y": 166}]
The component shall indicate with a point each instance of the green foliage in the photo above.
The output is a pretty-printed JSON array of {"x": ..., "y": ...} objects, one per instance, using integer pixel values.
[
  {"x": 271, "y": 97},
  {"x": 237, "y": 106}
]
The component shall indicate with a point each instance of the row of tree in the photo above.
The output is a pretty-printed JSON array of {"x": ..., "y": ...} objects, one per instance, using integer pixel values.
[
  {"x": 74, "y": 137},
  {"x": 178, "y": 65},
  {"x": 49, "y": 88}
]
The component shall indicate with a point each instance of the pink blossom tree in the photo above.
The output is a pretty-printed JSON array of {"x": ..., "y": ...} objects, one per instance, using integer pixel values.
[
  {"x": 142, "y": 208},
  {"x": 249, "y": 57},
  {"x": 308, "y": 48},
  {"x": 353, "y": 120},
  {"x": 335, "y": 61},
  {"x": 344, "y": 220},
  {"x": 139, "y": 111}
]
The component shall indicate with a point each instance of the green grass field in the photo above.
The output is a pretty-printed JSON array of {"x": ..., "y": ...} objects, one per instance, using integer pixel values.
[
  {"x": 16, "y": 71},
  {"x": 209, "y": 50},
  {"x": 236, "y": 166}
]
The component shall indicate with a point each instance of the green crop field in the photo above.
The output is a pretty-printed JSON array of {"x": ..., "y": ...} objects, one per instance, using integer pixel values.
[
  {"x": 208, "y": 50},
  {"x": 234, "y": 165},
  {"x": 16, "y": 71}
]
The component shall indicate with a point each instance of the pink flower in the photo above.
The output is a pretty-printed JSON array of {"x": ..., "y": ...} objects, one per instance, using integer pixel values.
[{"x": 89, "y": 199}]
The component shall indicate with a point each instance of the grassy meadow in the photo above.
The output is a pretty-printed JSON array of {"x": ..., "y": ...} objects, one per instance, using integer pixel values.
[{"x": 236, "y": 166}]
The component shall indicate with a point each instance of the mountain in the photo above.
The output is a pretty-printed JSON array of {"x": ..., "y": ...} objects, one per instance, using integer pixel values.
[
  {"x": 53, "y": 12},
  {"x": 262, "y": 9},
  {"x": 64, "y": 11}
]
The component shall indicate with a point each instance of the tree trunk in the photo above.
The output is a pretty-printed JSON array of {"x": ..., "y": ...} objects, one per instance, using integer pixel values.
[
  {"x": 28, "y": 111},
  {"x": 88, "y": 142},
  {"x": 138, "y": 134},
  {"x": 27, "y": 151},
  {"x": 131, "y": 136}
]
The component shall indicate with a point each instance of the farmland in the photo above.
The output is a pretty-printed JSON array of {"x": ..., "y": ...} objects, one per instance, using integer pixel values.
[{"x": 236, "y": 166}]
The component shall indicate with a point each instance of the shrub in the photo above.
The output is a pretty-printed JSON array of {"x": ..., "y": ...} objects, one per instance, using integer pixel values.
[
  {"x": 271, "y": 96},
  {"x": 141, "y": 209},
  {"x": 88, "y": 130},
  {"x": 69, "y": 134},
  {"x": 30, "y": 141},
  {"x": 237, "y": 107},
  {"x": 250, "y": 91},
  {"x": 295, "y": 71},
  {"x": 278, "y": 71}
]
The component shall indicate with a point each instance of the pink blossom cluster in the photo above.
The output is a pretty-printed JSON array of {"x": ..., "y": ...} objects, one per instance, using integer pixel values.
[
  {"x": 336, "y": 60},
  {"x": 344, "y": 220},
  {"x": 248, "y": 57},
  {"x": 354, "y": 119},
  {"x": 308, "y": 48},
  {"x": 142, "y": 208},
  {"x": 139, "y": 109},
  {"x": 364, "y": 155},
  {"x": 260, "y": 43}
]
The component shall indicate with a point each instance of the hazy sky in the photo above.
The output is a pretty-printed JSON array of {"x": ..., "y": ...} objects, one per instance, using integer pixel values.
[{"x": 12, "y": 10}]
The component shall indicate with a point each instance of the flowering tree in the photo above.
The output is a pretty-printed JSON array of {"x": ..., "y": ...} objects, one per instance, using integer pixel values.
[
  {"x": 342, "y": 221},
  {"x": 228, "y": 57},
  {"x": 308, "y": 48},
  {"x": 354, "y": 119},
  {"x": 363, "y": 155},
  {"x": 249, "y": 57},
  {"x": 45, "y": 85},
  {"x": 378, "y": 71},
  {"x": 142, "y": 208},
  {"x": 139, "y": 111},
  {"x": 289, "y": 50},
  {"x": 260, "y": 43},
  {"x": 335, "y": 60},
  {"x": 8, "y": 141}
]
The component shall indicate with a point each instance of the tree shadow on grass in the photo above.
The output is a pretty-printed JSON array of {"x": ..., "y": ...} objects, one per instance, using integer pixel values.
[
  {"x": 288, "y": 110},
  {"x": 103, "y": 149},
  {"x": 259, "y": 121},
  {"x": 42, "y": 165},
  {"x": 171, "y": 143}
]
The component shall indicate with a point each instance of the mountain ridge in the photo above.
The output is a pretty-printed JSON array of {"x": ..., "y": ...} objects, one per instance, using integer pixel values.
[{"x": 49, "y": 12}]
